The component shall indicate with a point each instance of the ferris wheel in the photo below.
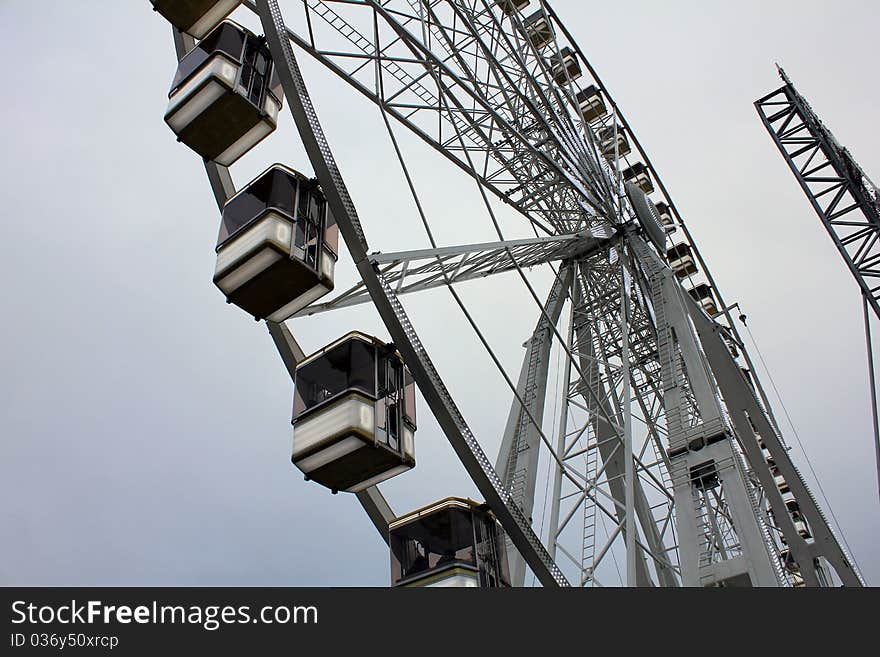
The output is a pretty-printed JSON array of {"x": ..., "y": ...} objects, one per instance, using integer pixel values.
[{"x": 659, "y": 441}]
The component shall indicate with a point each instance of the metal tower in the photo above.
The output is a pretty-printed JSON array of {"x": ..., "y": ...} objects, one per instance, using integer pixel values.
[
  {"x": 845, "y": 199},
  {"x": 663, "y": 449},
  {"x": 847, "y": 202}
]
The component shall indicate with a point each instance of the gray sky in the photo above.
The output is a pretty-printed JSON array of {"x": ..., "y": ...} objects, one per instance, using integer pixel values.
[{"x": 146, "y": 423}]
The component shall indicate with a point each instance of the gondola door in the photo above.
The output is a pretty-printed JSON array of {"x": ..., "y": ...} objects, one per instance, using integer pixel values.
[{"x": 389, "y": 411}]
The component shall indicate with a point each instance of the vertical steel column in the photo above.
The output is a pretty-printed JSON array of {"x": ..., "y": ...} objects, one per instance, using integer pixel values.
[
  {"x": 626, "y": 400},
  {"x": 553, "y": 533},
  {"x": 698, "y": 440},
  {"x": 608, "y": 440},
  {"x": 517, "y": 462}
]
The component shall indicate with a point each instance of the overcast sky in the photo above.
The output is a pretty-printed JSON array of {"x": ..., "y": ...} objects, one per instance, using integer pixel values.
[{"x": 145, "y": 423}]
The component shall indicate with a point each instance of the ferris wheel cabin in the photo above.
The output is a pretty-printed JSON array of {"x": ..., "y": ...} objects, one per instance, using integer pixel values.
[
  {"x": 666, "y": 217},
  {"x": 354, "y": 414},
  {"x": 591, "y": 104},
  {"x": 606, "y": 142},
  {"x": 451, "y": 543},
  {"x": 195, "y": 17},
  {"x": 277, "y": 248},
  {"x": 565, "y": 67},
  {"x": 538, "y": 29},
  {"x": 226, "y": 95},
  {"x": 800, "y": 524},
  {"x": 778, "y": 479},
  {"x": 704, "y": 296},
  {"x": 681, "y": 260},
  {"x": 638, "y": 174},
  {"x": 512, "y": 6}
]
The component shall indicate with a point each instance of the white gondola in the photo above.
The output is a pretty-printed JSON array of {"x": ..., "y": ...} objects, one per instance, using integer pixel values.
[
  {"x": 801, "y": 528},
  {"x": 797, "y": 518},
  {"x": 565, "y": 66},
  {"x": 639, "y": 174},
  {"x": 538, "y": 29},
  {"x": 512, "y": 6},
  {"x": 195, "y": 17},
  {"x": 606, "y": 142},
  {"x": 277, "y": 248},
  {"x": 591, "y": 104},
  {"x": 666, "y": 217},
  {"x": 452, "y": 543},
  {"x": 778, "y": 479},
  {"x": 781, "y": 484},
  {"x": 703, "y": 295},
  {"x": 354, "y": 414},
  {"x": 226, "y": 95},
  {"x": 681, "y": 260}
]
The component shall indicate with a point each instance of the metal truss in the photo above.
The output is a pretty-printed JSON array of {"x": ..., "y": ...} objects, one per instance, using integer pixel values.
[
  {"x": 646, "y": 389},
  {"x": 847, "y": 202},
  {"x": 414, "y": 271}
]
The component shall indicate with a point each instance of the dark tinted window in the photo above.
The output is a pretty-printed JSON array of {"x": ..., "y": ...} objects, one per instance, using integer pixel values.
[
  {"x": 227, "y": 38},
  {"x": 274, "y": 189},
  {"x": 346, "y": 367},
  {"x": 433, "y": 541}
]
